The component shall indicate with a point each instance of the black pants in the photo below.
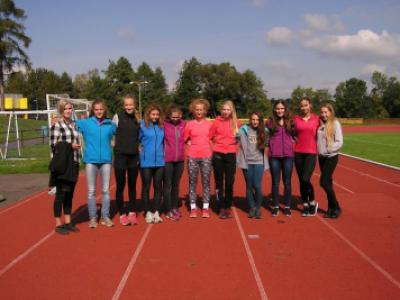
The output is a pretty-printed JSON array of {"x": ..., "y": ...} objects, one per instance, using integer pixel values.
[
  {"x": 224, "y": 170},
  {"x": 125, "y": 165},
  {"x": 305, "y": 165},
  {"x": 63, "y": 199},
  {"x": 327, "y": 166},
  {"x": 148, "y": 175},
  {"x": 172, "y": 176}
]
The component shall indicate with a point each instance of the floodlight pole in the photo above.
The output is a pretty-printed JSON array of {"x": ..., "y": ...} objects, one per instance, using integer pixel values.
[{"x": 139, "y": 83}]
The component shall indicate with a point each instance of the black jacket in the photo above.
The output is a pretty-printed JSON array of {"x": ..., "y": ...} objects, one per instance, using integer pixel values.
[{"x": 62, "y": 165}]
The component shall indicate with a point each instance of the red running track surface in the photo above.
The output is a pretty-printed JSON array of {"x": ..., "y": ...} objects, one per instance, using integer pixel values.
[{"x": 354, "y": 257}]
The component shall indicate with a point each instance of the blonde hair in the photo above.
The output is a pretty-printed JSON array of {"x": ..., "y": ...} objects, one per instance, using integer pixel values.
[
  {"x": 330, "y": 125},
  {"x": 137, "y": 114},
  {"x": 234, "y": 119},
  {"x": 149, "y": 108},
  {"x": 61, "y": 106},
  {"x": 103, "y": 104},
  {"x": 199, "y": 101}
]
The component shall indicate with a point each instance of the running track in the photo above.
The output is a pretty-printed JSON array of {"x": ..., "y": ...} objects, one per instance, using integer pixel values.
[{"x": 354, "y": 257}]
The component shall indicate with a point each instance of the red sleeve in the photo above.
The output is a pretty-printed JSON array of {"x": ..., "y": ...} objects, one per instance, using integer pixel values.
[
  {"x": 186, "y": 135},
  {"x": 212, "y": 130}
]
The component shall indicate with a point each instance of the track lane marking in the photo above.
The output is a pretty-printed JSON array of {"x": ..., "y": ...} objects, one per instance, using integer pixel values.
[
  {"x": 250, "y": 257},
  {"x": 361, "y": 253},
  {"x": 337, "y": 184},
  {"x": 131, "y": 264},
  {"x": 40, "y": 242}
]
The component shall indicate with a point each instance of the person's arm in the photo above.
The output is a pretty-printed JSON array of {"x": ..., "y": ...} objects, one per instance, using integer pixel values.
[
  {"x": 337, "y": 139},
  {"x": 186, "y": 135},
  {"x": 55, "y": 133},
  {"x": 115, "y": 120}
]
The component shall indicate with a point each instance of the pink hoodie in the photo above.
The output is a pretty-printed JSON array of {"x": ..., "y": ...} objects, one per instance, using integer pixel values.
[{"x": 222, "y": 136}]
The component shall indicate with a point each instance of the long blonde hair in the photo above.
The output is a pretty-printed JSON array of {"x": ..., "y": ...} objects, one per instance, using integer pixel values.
[
  {"x": 234, "y": 119},
  {"x": 61, "y": 106},
  {"x": 330, "y": 125}
]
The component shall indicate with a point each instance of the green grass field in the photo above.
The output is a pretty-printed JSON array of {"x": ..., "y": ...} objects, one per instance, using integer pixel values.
[
  {"x": 380, "y": 147},
  {"x": 28, "y": 128}
]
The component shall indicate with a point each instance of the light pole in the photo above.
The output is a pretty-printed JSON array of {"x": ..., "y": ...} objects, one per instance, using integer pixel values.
[
  {"x": 139, "y": 83},
  {"x": 37, "y": 108}
]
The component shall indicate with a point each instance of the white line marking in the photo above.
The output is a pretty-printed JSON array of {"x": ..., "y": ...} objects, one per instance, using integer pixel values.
[
  {"x": 19, "y": 203},
  {"x": 337, "y": 184},
  {"x": 370, "y": 176},
  {"x": 371, "y": 161},
  {"x": 260, "y": 285},
  {"x": 362, "y": 254},
  {"x": 30, "y": 249},
  {"x": 131, "y": 264},
  {"x": 22, "y": 202}
]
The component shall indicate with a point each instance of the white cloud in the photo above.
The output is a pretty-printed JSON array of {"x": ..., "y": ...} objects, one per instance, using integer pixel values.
[
  {"x": 371, "y": 68},
  {"x": 258, "y": 3},
  {"x": 365, "y": 44},
  {"x": 320, "y": 22},
  {"x": 178, "y": 66},
  {"x": 126, "y": 34},
  {"x": 279, "y": 36},
  {"x": 279, "y": 65}
]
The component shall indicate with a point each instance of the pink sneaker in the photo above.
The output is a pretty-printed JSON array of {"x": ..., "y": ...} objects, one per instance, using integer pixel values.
[
  {"x": 132, "y": 218},
  {"x": 123, "y": 219},
  {"x": 206, "y": 213},
  {"x": 193, "y": 213}
]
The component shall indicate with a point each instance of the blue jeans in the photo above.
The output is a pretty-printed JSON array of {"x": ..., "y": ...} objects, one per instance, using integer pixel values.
[
  {"x": 91, "y": 176},
  {"x": 253, "y": 176},
  {"x": 282, "y": 165}
]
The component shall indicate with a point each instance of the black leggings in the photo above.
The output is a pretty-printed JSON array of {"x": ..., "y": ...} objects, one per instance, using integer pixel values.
[
  {"x": 126, "y": 165},
  {"x": 172, "y": 176},
  {"x": 224, "y": 169},
  {"x": 305, "y": 165},
  {"x": 149, "y": 174},
  {"x": 327, "y": 166},
  {"x": 63, "y": 199}
]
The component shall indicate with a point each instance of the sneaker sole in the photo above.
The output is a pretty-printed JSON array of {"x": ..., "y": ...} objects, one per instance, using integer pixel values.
[{"x": 316, "y": 211}]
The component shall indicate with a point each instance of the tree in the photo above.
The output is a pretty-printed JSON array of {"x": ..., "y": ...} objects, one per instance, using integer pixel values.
[
  {"x": 66, "y": 85},
  {"x": 12, "y": 41},
  {"x": 391, "y": 97},
  {"x": 318, "y": 97},
  {"x": 352, "y": 99},
  {"x": 380, "y": 83}
]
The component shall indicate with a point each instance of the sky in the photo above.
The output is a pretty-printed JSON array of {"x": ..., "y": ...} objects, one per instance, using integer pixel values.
[{"x": 311, "y": 43}]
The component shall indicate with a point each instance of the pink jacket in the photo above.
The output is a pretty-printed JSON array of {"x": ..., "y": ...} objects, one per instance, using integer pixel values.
[
  {"x": 223, "y": 138},
  {"x": 306, "y": 134},
  {"x": 174, "y": 143}
]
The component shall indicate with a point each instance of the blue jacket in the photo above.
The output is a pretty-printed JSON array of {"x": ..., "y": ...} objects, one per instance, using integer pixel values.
[
  {"x": 152, "y": 140},
  {"x": 97, "y": 138}
]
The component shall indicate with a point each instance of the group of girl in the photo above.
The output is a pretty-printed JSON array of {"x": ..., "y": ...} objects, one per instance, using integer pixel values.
[{"x": 156, "y": 147}]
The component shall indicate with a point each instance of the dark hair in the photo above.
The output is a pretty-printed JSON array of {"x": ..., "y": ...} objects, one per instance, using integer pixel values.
[
  {"x": 172, "y": 108},
  {"x": 261, "y": 134},
  {"x": 306, "y": 98},
  {"x": 287, "y": 118},
  {"x": 149, "y": 108},
  {"x": 103, "y": 103}
]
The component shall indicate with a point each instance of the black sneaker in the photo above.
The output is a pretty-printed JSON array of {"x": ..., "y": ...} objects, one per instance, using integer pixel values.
[
  {"x": 258, "y": 213},
  {"x": 336, "y": 213},
  {"x": 306, "y": 211},
  {"x": 222, "y": 214},
  {"x": 60, "y": 229},
  {"x": 71, "y": 227},
  {"x": 275, "y": 211},
  {"x": 252, "y": 213},
  {"x": 313, "y": 209},
  {"x": 287, "y": 212}
]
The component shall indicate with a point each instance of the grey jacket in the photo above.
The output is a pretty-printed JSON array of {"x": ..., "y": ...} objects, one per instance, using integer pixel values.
[
  {"x": 333, "y": 150},
  {"x": 241, "y": 159}
]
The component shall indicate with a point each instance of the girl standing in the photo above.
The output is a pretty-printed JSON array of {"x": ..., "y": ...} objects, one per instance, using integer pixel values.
[
  {"x": 174, "y": 129},
  {"x": 151, "y": 138},
  {"x": 199, "y": 154},
  {"x": 126, "y": 159},
  {"x": 252, "y": 160},
  {"x": 330, "y": 140},
  {"x": 64, "y": 142},
  {"x": 224, "y": 134},
  {"x": 306, "y": 125},
  {"x": 281, "y": 154},
  {"x": 98, "y": 131}
]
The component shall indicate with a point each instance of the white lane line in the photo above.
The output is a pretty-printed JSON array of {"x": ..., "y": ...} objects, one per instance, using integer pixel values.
[
  {"x": 19, "y": 203},
  {"x": 361, "y": 253},
  {"x": 41, "y": 241},
  {"x": 260, "y": 285},
  {"x": 22, "y": 202},
  {"x": 131, "y": 264},
  {"x": 369, "y": 175},
  {"x": 337, "y": 184}
]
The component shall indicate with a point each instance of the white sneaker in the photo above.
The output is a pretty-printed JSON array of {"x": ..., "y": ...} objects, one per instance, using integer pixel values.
[
  {"x": 157, "y": 218},
  {"x": 149, "y": 217},
  {"x": 52, "y": 191}
]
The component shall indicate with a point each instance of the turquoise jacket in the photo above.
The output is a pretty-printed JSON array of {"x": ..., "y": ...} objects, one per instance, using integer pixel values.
[
  {"x": 152, "y": 141},
  {"x": 97, "y": 138}
]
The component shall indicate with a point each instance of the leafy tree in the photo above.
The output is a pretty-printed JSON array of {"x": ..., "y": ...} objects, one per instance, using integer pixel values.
[
  {"x": 380, "y": 83},
  {"x": 318, "y": 97},
  {"x": 12, "y": 41},
  {"x": 66, "y": 85},
  {"x": 352, "y": 99},
  {"x": 391, "y": 97}
]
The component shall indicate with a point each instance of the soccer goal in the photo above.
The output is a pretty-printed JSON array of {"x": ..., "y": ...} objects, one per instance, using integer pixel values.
[{"x": 81, "y": 110}]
